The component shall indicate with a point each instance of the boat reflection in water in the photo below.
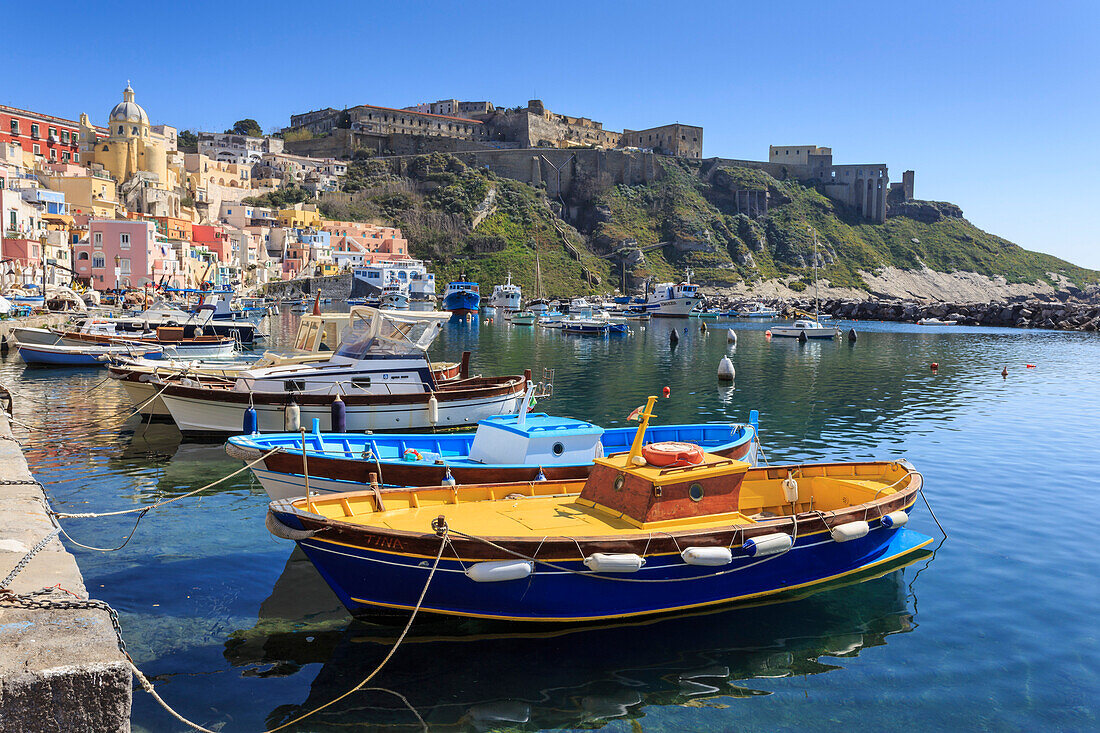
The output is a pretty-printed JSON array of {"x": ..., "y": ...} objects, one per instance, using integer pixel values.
[{"x": 477, "y": 675}]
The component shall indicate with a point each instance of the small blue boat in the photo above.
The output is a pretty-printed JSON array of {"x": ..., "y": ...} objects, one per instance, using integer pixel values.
[
  {"x": 87, "y": 355},
  {"x": 461, "y": 298},
  {"x": 505, "y": 448},
  {"x": 589, "y": 327}
]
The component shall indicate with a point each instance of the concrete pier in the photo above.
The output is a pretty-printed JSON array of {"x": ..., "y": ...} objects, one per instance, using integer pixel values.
[{"x": 60, "y": 669}]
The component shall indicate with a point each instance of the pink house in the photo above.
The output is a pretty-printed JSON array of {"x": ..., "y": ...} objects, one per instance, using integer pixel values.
[
  {"x": 354, "y": 243},
  {"x": 117, "y": 253}
]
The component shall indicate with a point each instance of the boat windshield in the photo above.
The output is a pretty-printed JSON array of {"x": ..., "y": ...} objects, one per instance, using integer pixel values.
[{"x": 373, "y": 331}]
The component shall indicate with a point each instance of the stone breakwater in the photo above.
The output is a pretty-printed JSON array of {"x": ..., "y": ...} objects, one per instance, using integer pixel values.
[{"x": 1052, "y": 314}]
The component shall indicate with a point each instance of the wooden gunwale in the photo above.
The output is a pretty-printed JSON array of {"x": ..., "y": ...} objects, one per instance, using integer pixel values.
[{"x": 647, "y": 542}]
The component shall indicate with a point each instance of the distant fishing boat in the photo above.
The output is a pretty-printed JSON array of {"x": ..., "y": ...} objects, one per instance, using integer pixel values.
[
  {"x": 660, "y": 528},
  {"x": 506, "y": 297},
  {"x": 592, "y": 327},
  {"x": 521, "y": 318},
  {"x": 505, "y": 448},
  {"x": 461, "y": 298},
  {"x": 756, "y": 310},
  {"x": 674, "y": 300}
]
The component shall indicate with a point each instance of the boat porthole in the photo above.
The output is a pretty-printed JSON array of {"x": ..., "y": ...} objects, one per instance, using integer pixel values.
[
  {"x": 558, "y": 449},
  {"x": 619, "y": 481},
  {"x": 695, "y": 491}
]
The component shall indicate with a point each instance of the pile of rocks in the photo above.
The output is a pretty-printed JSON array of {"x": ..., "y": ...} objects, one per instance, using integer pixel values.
[
  {"x": 1076, "y": 312},
  {"x": 1068, "y": 316}
]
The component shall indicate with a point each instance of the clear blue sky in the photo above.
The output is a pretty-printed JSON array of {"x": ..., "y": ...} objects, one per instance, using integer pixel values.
[{"x": 995, "y": 105}]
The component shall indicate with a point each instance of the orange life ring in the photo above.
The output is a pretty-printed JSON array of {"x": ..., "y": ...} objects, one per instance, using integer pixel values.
[{"x": 672, "y": 453}]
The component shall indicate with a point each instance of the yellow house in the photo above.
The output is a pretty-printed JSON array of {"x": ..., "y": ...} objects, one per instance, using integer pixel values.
[
  {"x": 91, "y": 194},
  {"x": 299, "y": 216}
]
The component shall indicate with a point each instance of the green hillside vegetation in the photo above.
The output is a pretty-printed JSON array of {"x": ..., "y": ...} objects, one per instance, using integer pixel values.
[
  {"x": 687, "y": 218},
  {"x": 435, "y": 201},
  {"x": 686, "y": 207}
]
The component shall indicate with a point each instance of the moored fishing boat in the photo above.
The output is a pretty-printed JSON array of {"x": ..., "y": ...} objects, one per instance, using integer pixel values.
[
  {"x": 521, "y": 318},
  {"x": 505, "y": 448},
  {"x": 461, "y": 298},
  {"x": 381, "y": 373},
  {"x": 653, "y": 530},
  {"x": 85, "y": 355},
  {"x": 674, "y": 300},
  {"x": 756, "y": 310}
]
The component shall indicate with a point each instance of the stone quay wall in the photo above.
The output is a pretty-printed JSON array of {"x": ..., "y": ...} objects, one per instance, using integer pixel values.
[{"x": 60, "y": 669}]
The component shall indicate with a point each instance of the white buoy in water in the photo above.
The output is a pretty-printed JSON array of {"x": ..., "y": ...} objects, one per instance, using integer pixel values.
[
  {"x": 725, "y": 369},
  {"x": 731, "y": 337}
]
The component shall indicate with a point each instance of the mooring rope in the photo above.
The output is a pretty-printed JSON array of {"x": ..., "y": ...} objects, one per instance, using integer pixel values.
[{"x": 444, "y": 541}]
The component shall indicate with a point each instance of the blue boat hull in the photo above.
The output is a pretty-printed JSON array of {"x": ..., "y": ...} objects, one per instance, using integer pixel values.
[
  {"x": 462, "y": 302},
  {"x": 366, "y": 579},
  {"x": 52, "y": 358}
]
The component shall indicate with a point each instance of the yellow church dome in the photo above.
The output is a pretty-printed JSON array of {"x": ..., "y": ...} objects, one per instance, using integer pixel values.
[{"x": 128, "y": 110}]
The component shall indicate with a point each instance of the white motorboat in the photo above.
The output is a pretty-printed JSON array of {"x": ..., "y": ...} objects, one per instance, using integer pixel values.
[
  {"x": 381, "y": 372},
  {"x": 506, "y": 297},
  {"x": 935, "y": 322},
  {"x": 812, "y": 328},
  {"x": 757, "y": 310},
  {"x": 395, "y": 296},
  {"x": 674, "y": 300}
]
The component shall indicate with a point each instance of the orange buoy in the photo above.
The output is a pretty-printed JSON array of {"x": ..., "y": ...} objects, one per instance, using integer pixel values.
[
  {"x": 666, "y": 391},
  {"x": 934, "y": 365},
  {"x": 768, "y": 334},
  {"x": 672, "y": 453}
]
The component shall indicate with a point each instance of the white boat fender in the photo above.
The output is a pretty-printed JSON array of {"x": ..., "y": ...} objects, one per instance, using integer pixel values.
[
  {"x": 768, "y": 544},
  {"x": 292, "y": 418},
  {"x": 731, "y": 336},
  {"x": 433, "y": 410},
  {"x": 498, "y": 570},
  {"x": 790, "y": 489},
  {"x": 849, "y": 531},
  {"x": 895, "y": 519},
  {"x": 707, "y": 556},
  {"x": 725, "y": 369},
  {"x": 603, "y": 562}
]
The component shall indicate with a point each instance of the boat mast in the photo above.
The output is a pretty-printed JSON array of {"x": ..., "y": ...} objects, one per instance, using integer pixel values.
[{"x": 816, "y": 290}]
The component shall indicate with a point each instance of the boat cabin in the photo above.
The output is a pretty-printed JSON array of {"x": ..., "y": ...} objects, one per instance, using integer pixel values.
[
  {"x": 645, "y": 495},
  {"x": 535, "y": 439}
]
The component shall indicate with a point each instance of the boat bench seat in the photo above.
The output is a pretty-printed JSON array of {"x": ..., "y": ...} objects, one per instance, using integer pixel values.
[{"x": 828, "y": 493}]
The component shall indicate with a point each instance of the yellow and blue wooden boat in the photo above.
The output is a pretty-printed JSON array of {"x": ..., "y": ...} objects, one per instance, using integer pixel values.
[{"x": 633, "y": 539}]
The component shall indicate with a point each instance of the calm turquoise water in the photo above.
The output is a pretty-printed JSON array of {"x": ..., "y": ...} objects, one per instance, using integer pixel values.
[{"x": 996, "y": 632}]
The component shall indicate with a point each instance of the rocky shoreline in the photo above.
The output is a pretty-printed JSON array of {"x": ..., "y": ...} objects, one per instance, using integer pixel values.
[{"x": 1073, "y": 312}]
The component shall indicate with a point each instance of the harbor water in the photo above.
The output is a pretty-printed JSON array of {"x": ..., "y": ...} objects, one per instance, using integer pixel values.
[{"x": 994, "y": 631}]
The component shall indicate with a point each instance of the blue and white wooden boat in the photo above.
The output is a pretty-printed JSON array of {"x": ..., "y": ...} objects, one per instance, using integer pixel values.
[
  {"x": 637, "y": 537},
  {"x": 504, "y": 448},
  {"x": 756, "y": 310},
  {"x": 83, "y": 355},
  {"x": 593, "y": 327},
  {"x": 461, "y": 298}
]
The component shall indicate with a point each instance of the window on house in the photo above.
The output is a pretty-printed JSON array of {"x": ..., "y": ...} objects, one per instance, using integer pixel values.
[
  {"x": 82, "y": 256},
  {"x": 15, "y": 127},
  {"x": 124, "y": 265},
  {"x": 53, "y": 131},
  {"x": 65, "y": 136},
  {"x": 34, "y": 130},
  {"x": 53, "y": 154},
  {"x": 124, "y": 241},
  {"x": 36, "y": 149},
  {"x": 76, "y": 157},
  {"x": 120, "y": 129},
  {"x": 65, "y": 156},
  {"x": 97, "y": 239},
  {"x": 13, "y": 222},
  {"x": 98, "y": 261}
]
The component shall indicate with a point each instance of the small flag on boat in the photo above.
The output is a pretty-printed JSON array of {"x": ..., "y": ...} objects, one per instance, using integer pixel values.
[
  {"x": 531, "y": 406},
  {"x": 637, "y": 413}
]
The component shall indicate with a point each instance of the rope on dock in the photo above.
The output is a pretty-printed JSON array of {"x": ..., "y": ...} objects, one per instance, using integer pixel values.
[{"x": 444, "y": 541}]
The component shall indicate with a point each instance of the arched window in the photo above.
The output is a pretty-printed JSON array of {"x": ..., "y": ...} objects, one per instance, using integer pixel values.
[
  {"x": 82, "y": 256},
  {"x": 98, "y": 261},
  {"x": 133, "y": 130},
  {"x": 106, "y": 149},
  {"x": 120, "y": 129}
]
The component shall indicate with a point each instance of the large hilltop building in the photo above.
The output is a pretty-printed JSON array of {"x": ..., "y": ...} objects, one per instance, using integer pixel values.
[{"x": 452, "y": 126}]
